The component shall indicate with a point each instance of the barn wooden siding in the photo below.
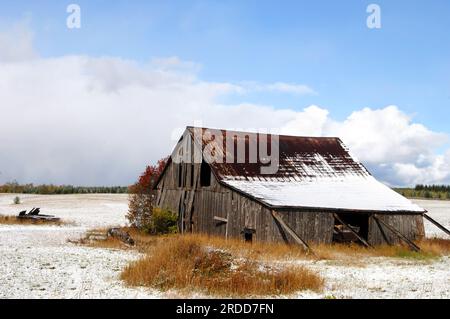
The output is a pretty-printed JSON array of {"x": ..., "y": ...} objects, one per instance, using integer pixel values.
[
  {"x": 205, "y": 203},
  {"x": 410, "y": 225},
  {"x": 244, "y": 213},
  {"x": 197, "y": 207}
]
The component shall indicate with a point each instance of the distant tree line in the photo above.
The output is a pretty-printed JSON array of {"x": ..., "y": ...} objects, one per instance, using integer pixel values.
[
  {"x": 433, "y": 188},
  {"x": 426, "y": 191},
  {"x": 16, "y": 188}
]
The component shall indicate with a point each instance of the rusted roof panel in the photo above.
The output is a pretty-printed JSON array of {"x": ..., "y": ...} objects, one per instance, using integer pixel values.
[
  {"x": 300, "y": 158},
  {"x": 314, "y": 172}
]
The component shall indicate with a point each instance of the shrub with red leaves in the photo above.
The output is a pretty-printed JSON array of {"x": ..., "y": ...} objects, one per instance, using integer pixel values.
[{"x": 142, "y": 195}]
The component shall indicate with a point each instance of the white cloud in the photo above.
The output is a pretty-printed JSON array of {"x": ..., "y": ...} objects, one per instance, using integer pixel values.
[
  {"x": 396, "y": 149},
  {"x": 437, "y": 171},
  {"x": 312, "y": 121},
  {"x": 388, "y": 134},
  {"x": 84, "y": 120}
]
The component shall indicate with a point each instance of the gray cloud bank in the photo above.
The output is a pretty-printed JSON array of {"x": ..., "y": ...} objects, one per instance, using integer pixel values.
[{"x": 99, "y": 120}]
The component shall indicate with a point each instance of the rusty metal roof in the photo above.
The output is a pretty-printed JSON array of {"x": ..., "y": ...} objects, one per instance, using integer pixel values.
[
  {"x": 313, "y": 172},
  {"x": 300, "y": 158}
]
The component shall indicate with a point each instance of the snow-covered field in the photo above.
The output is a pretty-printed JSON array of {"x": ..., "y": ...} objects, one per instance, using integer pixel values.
[{"x": 38, "y": 262}]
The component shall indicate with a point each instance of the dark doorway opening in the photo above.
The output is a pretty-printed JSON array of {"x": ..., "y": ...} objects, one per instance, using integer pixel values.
[
  {"x": 248, "y": 234},
  {"x": 205, "y": 174},
  {"x": 357, "y": 221}
]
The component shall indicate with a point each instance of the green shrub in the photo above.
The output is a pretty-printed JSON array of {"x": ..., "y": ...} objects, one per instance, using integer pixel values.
[
  {"x": 142, "y": 196},
  {"x": 162, "y": 221},
  {"x": 16, "y": 200}
]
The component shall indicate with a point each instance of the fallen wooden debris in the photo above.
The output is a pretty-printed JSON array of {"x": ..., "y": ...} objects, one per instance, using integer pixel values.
[
  {"x": 96, "y": 235},
  {"x": 41, "y": 217},
  {"x": 34, "y": 215},
  {"x": 34, "y": 212},
  {"x": 121, "y": 235}
]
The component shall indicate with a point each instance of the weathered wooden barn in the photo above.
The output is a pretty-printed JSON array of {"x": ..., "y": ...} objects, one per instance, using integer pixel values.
[{"x": 319, "y": 193}]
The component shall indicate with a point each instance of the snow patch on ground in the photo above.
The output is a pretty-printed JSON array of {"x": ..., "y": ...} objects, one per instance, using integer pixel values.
[{"x": 384, "y": 278}]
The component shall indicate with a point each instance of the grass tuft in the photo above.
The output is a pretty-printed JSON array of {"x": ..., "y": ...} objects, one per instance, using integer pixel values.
[
  {"x": 430, "y": 249},
  {"x": 437, "y": 246},
  {"x": 98, "y": 238},
  {"x": 186, "y": 262}
]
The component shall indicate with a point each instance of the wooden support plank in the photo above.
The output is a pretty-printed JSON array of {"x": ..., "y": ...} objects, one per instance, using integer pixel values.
[
  {"x": 225, "y": 205},
  {"x": 228, "y": 216},
  {"x": 380, "y": 228},
  {"x": 221, "y": 219},
  {"x": 400, "y": 235},
  {"x": 365, "y": 243},
  {"x": 191, "y": 198},
  {"x": 434, "y": 222},
  {"x": 289, "y": 230},
  {"x": 159, "y": 192},
  {"x": 181, "y": 210}
]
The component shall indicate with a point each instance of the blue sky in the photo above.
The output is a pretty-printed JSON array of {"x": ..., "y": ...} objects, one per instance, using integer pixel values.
[{"x": 324, "y": 44}]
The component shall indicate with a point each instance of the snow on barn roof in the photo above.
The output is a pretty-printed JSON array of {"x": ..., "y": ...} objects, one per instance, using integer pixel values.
[
  {"x": 359, "y": 194},
  {"x": 313, "y": 172}
]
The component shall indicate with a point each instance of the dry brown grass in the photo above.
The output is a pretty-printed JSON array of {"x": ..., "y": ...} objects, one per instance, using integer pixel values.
[
  {"x": 437, "y": 246},
  {"x": 256, "y": 250},
  {"x": 13, "y": 220},
  {"x": 93, "y": 238},
  {"x": 108, "y": 243},
  {"x": 186, "y": 262},
  {"x": 348, "y": 253},
  {"x": 430, "y": 249}
]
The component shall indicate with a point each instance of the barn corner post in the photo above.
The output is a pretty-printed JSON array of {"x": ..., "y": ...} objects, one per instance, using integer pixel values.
[{"x": 227, "y": 225}]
